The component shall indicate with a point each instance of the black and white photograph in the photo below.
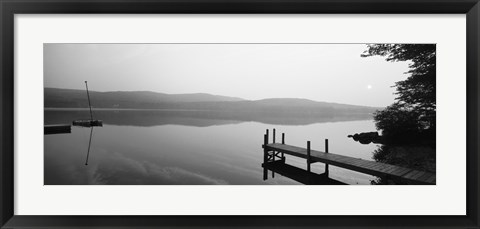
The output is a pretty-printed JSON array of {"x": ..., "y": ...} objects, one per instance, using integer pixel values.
[{"x": 239, "y": 114}]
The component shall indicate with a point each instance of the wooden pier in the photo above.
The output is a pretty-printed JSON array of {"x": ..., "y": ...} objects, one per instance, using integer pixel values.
[
  {"x": 274, "y": 151},
  {"x": 57, "y": 129}
]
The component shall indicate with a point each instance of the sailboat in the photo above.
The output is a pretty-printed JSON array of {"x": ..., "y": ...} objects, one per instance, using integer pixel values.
[{"x": 89, "y": 122}]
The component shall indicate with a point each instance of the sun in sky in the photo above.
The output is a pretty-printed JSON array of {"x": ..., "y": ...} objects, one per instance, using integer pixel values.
[{"x": 369, "y": 87}]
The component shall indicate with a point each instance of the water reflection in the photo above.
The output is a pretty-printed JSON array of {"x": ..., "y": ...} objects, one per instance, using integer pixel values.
[
  {"x": 197, "y": 118},
  {"x": 136, "y": 147},
  {"x": 297, "y": 174},
  {"x": 89, "y": 144}
]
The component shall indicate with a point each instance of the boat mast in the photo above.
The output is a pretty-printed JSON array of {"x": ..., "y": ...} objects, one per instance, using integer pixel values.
[{"x": 89, "y": 105}]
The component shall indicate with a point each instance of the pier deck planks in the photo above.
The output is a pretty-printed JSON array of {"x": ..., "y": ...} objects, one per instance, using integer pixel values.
[{"x": 357, "y": 164}]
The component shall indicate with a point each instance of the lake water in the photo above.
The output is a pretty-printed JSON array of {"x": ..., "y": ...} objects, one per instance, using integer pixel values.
[{"x": 150, "y": 147}]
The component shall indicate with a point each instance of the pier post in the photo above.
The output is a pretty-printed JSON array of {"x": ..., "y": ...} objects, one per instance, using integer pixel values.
[
  {"x": 267, "y": 137},
  {"x": 265, "y": 142},
  {"x": 273, "y": 135},
  {"x": 274, "y": 153},
  {"x": 283, "y": 143},
  {"x": 326, "y": 151},
  {"x": 308, "y": 156}
]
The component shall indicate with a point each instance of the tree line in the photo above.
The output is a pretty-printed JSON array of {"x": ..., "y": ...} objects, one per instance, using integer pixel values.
[{"x": 412, "y": 117}]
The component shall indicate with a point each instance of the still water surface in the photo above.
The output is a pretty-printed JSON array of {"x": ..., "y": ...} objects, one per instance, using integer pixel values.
[{"x": 181, "y": 147}]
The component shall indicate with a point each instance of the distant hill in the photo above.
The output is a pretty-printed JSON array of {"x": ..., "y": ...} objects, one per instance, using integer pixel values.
[
  {"x": 56, "y": 97},
  {"x": 68, "y": 98}
]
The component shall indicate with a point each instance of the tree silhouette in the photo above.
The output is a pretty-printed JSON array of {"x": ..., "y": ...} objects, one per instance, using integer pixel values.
[{"x": 412, "y": 117}]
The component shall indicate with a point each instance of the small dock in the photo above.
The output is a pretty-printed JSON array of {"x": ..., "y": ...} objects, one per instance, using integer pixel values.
[
  {"x": 88, "y": 123},
  {"x": 57, "y": 129},
  {"x": 274, "y": 151}
]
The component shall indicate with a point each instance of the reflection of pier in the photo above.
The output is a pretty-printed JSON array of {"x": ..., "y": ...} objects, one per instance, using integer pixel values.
[
  {"x": 298, "y": 174},
  {"x": 273, "y": 151}
]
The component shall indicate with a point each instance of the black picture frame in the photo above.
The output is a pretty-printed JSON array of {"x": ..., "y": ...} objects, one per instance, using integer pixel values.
[{"x": 9, "y": 8}]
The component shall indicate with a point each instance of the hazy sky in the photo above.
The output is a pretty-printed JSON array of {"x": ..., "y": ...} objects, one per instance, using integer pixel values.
[{"x": 321, "y": 72}]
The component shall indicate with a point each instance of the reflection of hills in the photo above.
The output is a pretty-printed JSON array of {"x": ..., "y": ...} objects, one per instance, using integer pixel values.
[
  {"x": 200, "y": 118},
  {"x": 142, "y": 108}
]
